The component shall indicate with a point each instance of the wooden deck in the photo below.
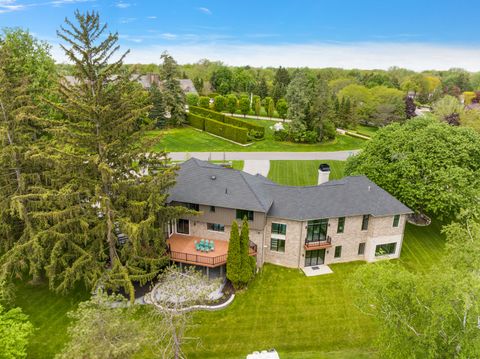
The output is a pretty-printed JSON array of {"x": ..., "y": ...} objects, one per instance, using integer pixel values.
[{"x": 182, "y": 250}]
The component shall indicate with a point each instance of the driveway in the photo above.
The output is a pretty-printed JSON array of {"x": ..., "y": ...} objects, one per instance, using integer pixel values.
[
  {"x": 253, "y": 167},
  {"x": 245, "y": 156}
]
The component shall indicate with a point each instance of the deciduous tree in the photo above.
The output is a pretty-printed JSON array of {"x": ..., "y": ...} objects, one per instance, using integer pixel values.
[
  {"x": 15, "y": 332},
  {"x": 428, "y": 165},
  {"x": 231, "y": 105}
]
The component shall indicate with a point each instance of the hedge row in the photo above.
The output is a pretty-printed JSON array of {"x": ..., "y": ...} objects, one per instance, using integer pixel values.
[
  {"x": 217, "y": 116},
  {"x": 218, "y": 128},
  {"x": 233, "y": 133},
  {"x": 196, "y": 121}
]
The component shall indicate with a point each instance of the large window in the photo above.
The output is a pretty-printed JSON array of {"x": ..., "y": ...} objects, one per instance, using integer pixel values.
[
  {"x": 183, "y": 226},
  {"x": 317, "y": 230},
  {"x": 396, "y": 220},
  {"x": 361, "y": 249},
  {"x": 341, "y": 225},
  {"x": 279, "y": 228},
  {"x": 216, "y": 227},
  {"x": 384, "y": 249},
  {"x": 241, "y": 214},
  {"x": 338, "y": 251},
  {"x": 365, "y": 222},
  {"x": 277, "y": 245}
]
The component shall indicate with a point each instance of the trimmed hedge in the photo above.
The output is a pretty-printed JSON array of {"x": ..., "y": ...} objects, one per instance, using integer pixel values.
[
  {"x": 233, "y": 133},
  {"x": 196, "y": 121},
  {"x": 220, "y": 117}
]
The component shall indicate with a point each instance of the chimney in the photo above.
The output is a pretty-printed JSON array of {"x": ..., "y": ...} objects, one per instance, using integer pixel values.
[{"x": 323, "y": 173}]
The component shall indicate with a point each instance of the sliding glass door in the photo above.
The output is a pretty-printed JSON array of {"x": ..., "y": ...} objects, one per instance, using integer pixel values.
[{"x": 314, "y": 258}]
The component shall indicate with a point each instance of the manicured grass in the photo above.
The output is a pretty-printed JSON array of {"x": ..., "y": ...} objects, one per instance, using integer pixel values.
[
  {"x": 302, "y": 173},
  {"x": 287, "y": 311},
  {"x": 47, "y": 312},
  {"x": 188, "y": 139},
  {"x": 304, "y": 317},
  {"x": 367, "y": 130}
]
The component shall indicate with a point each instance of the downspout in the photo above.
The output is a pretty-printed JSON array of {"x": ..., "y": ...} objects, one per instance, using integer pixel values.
[{"x": 301, "y": 242}]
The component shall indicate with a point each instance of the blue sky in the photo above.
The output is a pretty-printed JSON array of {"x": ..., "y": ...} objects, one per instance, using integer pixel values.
[{"x": 418, "y": 34}]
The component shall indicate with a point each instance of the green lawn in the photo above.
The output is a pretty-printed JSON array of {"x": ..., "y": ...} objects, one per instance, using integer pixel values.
[
  {"x": 302, "y": 173},
  {"x": 188, "y": 139},
  {"x": 367, "y": 130},
  {"x": 47, "y": 312}
]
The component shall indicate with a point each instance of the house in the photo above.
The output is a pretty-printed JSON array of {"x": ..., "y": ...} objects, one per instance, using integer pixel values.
[{"x": 336, "y": 221}]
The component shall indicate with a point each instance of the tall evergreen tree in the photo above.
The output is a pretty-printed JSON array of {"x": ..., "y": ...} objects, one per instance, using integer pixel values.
[
  {"x": 26, "y": 70},
  {"x": 157, "y": 112},
  {"x": 173, "y": 97},
  {"x": 280, "y": 84},
  {"x": 247, "y": 262},
  {"x": 234, "y": 260},
  {"x": 117, "y": 186}
]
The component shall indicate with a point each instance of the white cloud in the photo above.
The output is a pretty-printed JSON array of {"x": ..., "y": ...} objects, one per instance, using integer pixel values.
[
  {"x": 205, "y": 10},
  {"x": 126, "y": 20},
  {"x": 10, "y": 6},
  {"x": 122, "y": 5},
  {"x": 151, "y": 17},
  {"x": 65, "y": 2},
  {"x": 415, "y": 56}
]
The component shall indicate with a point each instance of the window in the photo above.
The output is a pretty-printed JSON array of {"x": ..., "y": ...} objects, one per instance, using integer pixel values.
[
  {"x": 361, "y": 249},
  {"x": 212, "y": 208},
  {"x": 365, "y": 222},
  {"x": 384, "y": 249},
  {"x": 241, "y": 214},
  {"x": 278, "y": 228},
  {"x": 277, "y": 245},
  {"x": 216, "y": 227},
  {"x": 317, "y": 230},
  {"x": 338, "y": 251},
  {"x": 183, "y": 226},
  {"x": 396, "y": 220},
  {"x": 341, "y": 225},
  {"x": 193, "y": 206}
]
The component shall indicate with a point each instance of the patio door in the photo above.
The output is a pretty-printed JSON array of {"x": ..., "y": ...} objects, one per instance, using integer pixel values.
[
  {"x": 314, "y": 258},
  {"x": 183, "y": 226}
]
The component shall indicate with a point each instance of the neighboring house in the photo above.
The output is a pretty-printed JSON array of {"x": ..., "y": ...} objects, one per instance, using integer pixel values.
[
  {"x": 337, "y": 221},
  {"x": 148, "y": 80}
]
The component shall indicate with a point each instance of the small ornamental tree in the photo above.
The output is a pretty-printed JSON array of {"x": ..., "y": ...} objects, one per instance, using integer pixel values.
[
  {"x": 282, "y": 108},
  {"x": 231, "y": 105},
  {"x": 244, "y": 105},
  {"x": 409, "y": 107},
  {"x": 220, "y": 103},
  {"x": 247, "y": 267},
  {"x": 15, "y": 331},
  {"x": 234, "y": 258},
  {"x": 257, "y": 105},
  {"x": 204, "y": 102},
  {"x": 270, "y": 106}
]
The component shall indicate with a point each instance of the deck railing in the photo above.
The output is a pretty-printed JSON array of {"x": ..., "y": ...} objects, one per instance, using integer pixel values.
[
  {"x": 327, "y": 242},
  {"x": 198, "y": 258}
]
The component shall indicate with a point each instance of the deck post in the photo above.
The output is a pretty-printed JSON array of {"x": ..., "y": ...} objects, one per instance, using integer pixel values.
[
  {"x": 208, "y": 272},
  {"x": 221, "y": 271}
]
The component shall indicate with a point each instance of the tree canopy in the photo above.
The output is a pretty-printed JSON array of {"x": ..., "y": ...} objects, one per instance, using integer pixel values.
[{"x": 430, "y": 166}]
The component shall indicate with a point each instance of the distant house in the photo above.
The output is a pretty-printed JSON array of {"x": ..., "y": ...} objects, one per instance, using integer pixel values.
[
  {"x": 335, "y": 221},
  {"x": 147, "y": 81}
]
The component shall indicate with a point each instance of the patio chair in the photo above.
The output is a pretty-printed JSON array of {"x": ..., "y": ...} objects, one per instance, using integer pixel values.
[{"x": 212, "y": 246}]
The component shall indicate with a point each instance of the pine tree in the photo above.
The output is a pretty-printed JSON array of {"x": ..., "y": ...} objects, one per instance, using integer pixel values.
[
  {"x": 247, "y": 266},
  {"x": 117, "y": 186},
  {"x": 157, "y": 111},
  {"x": 234, "y": 260},
  {"x": 26, "y": 74},
  {"x": 173, "y": 96}
]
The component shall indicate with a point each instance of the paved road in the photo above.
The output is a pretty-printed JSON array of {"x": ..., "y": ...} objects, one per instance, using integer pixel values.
[
  {"x": 229, "y": 156},
  {"x": 253, "y": 167}
]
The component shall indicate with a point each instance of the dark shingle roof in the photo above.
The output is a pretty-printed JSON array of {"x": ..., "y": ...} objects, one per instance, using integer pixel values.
[{"x": 350, "y": 196}]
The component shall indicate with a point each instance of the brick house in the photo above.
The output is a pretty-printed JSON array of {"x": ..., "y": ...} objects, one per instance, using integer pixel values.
[{"x": 336, "y": 221}]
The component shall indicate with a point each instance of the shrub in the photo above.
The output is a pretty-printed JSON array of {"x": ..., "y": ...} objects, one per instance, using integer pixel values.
[
  {"x": 281, "y": 135},
  {"x": 328, "y": 130},
  {"x": 204, "y": 102},
  {"x": 196, "y": 121},
  {"x": 233, "y": 133},
  {"x": 192, "y": 99}
]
